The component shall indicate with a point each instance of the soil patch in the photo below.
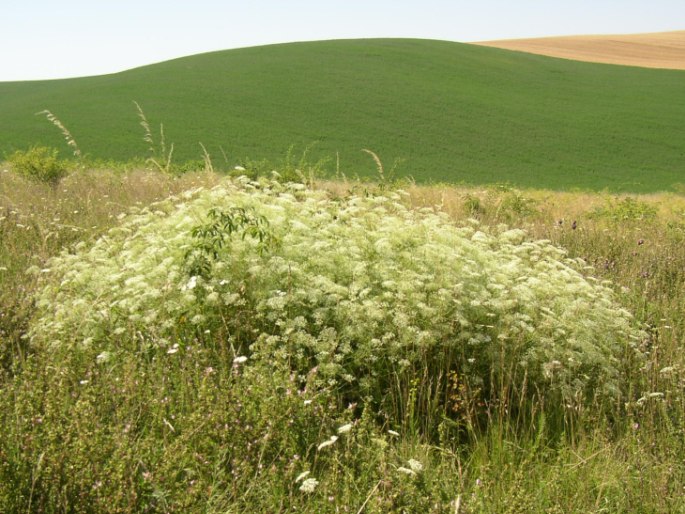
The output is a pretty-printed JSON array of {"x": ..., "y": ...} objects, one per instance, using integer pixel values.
[{"x": 656, "y": 50}]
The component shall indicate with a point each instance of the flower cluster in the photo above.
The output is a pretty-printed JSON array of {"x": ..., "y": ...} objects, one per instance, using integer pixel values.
[{"x": 350, "y": 291}]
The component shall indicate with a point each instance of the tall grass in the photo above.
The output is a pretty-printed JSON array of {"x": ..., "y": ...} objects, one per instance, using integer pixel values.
[
  {"x": 196, "y": 427},
  {"x": 68, "y": 138},
  {"x": 159, "y": 156}
]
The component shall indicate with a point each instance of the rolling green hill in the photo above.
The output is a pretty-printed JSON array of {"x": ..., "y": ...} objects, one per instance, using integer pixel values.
[{"x": 452, "y": 112}]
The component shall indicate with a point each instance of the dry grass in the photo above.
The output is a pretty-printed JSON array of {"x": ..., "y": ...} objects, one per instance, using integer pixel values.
[
  {"x": 656, "y": 50},
  {"x": 71, "y": 142},
  {"x": 545, "y": 206}
]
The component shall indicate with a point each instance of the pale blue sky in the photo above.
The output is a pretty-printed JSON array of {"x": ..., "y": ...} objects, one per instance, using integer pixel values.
[{"x": 64, "y": 38}]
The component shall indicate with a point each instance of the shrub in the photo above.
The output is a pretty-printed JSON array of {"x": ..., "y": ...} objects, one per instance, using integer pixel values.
[
  {"x": 361, "y": 297},
  {"x": 39, "y": 163},
  {"x": 626, "y": 209}
]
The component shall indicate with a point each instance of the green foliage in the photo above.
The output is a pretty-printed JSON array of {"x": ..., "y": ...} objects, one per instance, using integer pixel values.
[
  {"x": 473, "y": 206},
  {"x": 512, "y": 205},
  {"x": 361, "y": 295},
  {"x": 289, "y": 168},
  {"x": 453, "y": 112},
  {"x": 39, "y": 163},
  {"x": 75, "y": 435},
  {"x": 212, "y": 237},
  {"x": 626, "y": 209}
]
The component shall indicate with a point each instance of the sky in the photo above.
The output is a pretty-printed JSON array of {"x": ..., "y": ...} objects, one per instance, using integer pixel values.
[{"x": 45, "y": 39}]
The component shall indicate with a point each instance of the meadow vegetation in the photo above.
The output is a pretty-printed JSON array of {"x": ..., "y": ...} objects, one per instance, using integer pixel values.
[{"x": 201, "y": 343}]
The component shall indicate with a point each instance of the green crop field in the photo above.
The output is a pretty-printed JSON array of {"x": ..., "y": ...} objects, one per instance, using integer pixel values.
[{"x": 447, "y": 111}]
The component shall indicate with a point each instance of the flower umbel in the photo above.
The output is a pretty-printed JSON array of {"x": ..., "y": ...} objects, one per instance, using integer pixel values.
[
  {"x": 309, "y": 485},
  {"x": 327, "y": 443}
]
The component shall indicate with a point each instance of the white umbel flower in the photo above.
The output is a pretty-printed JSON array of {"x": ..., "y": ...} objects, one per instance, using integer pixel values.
[
  {"x": 309, "y": 485},
  {"x": 406, "y": 471},
  {"x": 302, "y": 475},
  {"x": 345, "y": 428},
  {"x": 329, "y": 442},
  {"x": 415, "y": 465}
]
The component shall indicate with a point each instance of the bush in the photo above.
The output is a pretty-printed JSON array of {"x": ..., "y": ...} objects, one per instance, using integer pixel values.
[
  {"x": 39, "y": 163},
  {"x": 626, "y": 209},
  {"x": 360, "y": 297}
]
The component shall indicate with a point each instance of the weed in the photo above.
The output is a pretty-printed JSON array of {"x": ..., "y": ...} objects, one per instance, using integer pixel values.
[
  {"x": 159, "y": 156},
  {"x": 206, "y": 160},
  {"x": 499, "y": 309},
  {"x": 473, "y": 206},
  {"x": 40, "y": 163},
  {"x": 71, "y": 142},
  {"x": 625, "y": 209}
]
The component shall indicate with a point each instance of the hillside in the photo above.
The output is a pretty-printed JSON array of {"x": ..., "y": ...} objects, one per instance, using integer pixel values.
[
  {"x": 656, "y": 50},
  {"x": 451, "y": 112}
]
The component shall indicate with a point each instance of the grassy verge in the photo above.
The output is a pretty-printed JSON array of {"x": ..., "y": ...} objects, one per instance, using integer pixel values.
[{"x": 195, "y": 428}]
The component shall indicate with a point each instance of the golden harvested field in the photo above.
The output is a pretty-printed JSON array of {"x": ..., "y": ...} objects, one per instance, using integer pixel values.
[{"x": 656, "y": 50}]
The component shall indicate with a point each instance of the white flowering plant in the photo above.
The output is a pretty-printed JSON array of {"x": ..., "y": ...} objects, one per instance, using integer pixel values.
[{"x": 358, "y": 295}]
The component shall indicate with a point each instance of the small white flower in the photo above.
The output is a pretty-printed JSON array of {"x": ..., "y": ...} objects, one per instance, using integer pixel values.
[
  {"x": 309, "y": 485},
  {"x": 415, "y": 465},
  {"x": 192, "y": 282},
  {"x": 307, "y": 402},
  {"x": 655, "y": 395},
  {"x": 392, "y": 432},
  {"x": 331, "y": 441},
  {"x": 103, "y": 357},
  {"x": 345, "y": 428},
  {"x": 239, "y": 360},
  {"x": 83, "y": 382},
  {"x": 173, "y": 349},
  {"x": 301, "y": 476}
]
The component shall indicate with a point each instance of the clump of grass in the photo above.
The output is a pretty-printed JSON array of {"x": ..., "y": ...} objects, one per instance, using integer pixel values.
[
  {"x": 385, "y": 180},
  {"x": 626, "y": 209},
  {"x": 379, "y": 164},
  {"x": 159, "y": 156},
  {"x": 289, "y": 168},
  {"x": 206, "y": 159}
]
